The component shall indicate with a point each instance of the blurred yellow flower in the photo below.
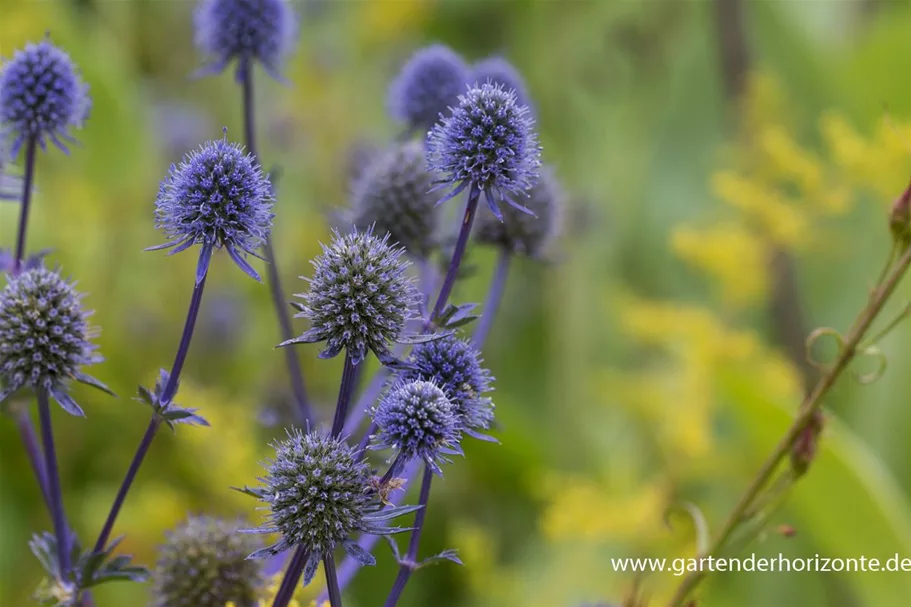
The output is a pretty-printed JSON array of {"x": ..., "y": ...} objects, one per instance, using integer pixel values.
[
  {"x": 771, "y": 212},
  {"x": 731, "y": 255}
]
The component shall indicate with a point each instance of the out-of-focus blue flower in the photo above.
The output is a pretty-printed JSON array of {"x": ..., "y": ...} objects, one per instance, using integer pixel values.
[
  {"x": 319, "y": 492},
  {"x": 497, "y": 70},
  {"x": 218, "y": 196},
  {"x": 417, "y": 419},
  {"x": 393, "y": 195},
  {"x": 454, "y": 365},
  {"x": 427, "y": 85},
  {"x": 360, "y": 298},
  {"x": 203, "y": 563},
  {"x": 45, "y": 337},
  {"x": 522, "y": 233},
  {"x": 41, "y": 96},
  {"x": 489, "y": 144},
  {"x": 245, "y": 30}
]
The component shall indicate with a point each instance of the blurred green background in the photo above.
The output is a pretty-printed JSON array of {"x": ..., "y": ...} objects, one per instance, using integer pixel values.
[{"x": 729, "y": 165}]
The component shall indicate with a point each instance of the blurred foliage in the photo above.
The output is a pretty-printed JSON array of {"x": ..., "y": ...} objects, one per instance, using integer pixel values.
[{"x": 643, "y": 372}]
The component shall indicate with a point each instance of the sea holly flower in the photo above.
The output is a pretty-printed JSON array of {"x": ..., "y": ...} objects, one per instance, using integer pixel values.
[
  {"x": 393, "y": 196},
  {"x": 427, "y": 85},
  {"x": 488, "y": 143},
  {"x": 217, "y": 197},
  {"x": 360, "y": 298},
  {"x": 319, "y": 492},
  {"x": 497, "y": 70},
  {"x": 522, "y": 233},
  {"x": 203, "y": 563},
  {"x": 45, "y": 338},
  {"x": 417, "y": 419},
  {"x": 454, "y": 365},
  {"x": 41, "y": 96},
  {"x": 245, "y": 30}
]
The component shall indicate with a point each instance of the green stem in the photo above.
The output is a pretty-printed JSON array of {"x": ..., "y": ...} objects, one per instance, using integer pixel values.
[{"x": 812, "y": 403}]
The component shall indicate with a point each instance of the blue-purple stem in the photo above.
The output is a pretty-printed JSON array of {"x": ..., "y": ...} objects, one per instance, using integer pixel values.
[
  {"x": 494, "y": 297},
  {"x": 367, "y": 398},
  {"x": 461, "y": 244},
  {"x": 33, "y": 451},
  {"x": 344, "y": 396},
  {"x": 31, "y": 147},
  {"x": 292, "y": 360},
  {"x": 292, "y": 577},
  {"x": 167, "y": 395},
  {"x": 410, "y": 560},
  {"x": 335, "y": 595},
  {"x": 53, "y": 484}
]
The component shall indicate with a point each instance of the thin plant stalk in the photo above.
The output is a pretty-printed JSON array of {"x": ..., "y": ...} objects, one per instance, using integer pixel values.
[
  {"x": 369, "y": 396},
  {"x": 53, "y": 483},
  {"x": 471, "y": 208},
  {"x": 344, "y": 396},
  {"x": 31, "y": 147},
  {"x": 494, "y": 297},
  {"x": 167, "y": 395},
  {"x": 292, "y": 360},
  {"x": 811, "y": 404},
  {"x": 407, "y": 566},
  {"x": 33, "y": 451},
  {"x": 292, "y": 577},
  {"x": 335, "y": 594}
]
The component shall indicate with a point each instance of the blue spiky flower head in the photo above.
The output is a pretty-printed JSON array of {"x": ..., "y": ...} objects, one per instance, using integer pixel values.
[
  {"x": 417, "y": 419},
  {"x": 497, "y": 70},
  {"x": 319, "y": 493},
  {"x": 359, "y": 298},
  {"x": 522, "y": 233},
  {"x": 245, "y": 30},
  {"x": 428, "y": 84},
  {"x": 218, "y": 196},
  {"x": 489, "y": 144},
  {"x": 45, "y": 336},
  {"x": 203, "y": 563},
  {"x": 393, "y": 195},
  {"x": 41, "y": 96},
  {"x": 454, "y": 365}
]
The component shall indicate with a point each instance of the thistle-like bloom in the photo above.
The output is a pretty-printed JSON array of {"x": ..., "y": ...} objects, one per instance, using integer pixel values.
[
  {"x": 454, "y": 365},
  {"x": 417, "y": 419},
  {"x": 428, "y": 84},
  {"x": 44, "y": 337},
  {"x": 218, "y": 196},
  {"x": 246, "y": 30},
  {"x": 41, "y": 96},
  {"x": 488, "y": 143},
  {"x": 204, "y": 563},
  {"x": 393, "y": 195},
  {"x": 359, "y": 299},
  {"x": 319, "y": 493},
  {"x": 497, "y": 70},
  {"x": 522, "y": 233}
]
